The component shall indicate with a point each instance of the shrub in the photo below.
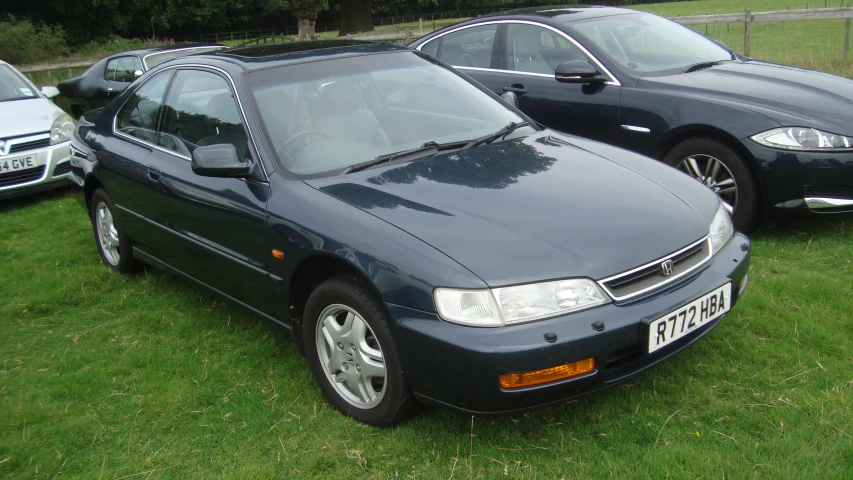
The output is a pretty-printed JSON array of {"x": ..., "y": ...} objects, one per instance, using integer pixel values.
[{"x": 22, "y": 42}]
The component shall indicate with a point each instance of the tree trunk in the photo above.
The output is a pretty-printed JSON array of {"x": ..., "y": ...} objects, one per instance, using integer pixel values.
[
  {"x": 355, "y": 17},
  {"x": 306, "y": 19},
  {"x": 306, "y": 28}
]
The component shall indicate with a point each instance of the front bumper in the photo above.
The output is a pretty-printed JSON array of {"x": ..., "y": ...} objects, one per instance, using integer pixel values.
[
  {"x": 51, "y": 171},
  {"x": 820, "y": 182},
  {"x": 459, "y": 366}
]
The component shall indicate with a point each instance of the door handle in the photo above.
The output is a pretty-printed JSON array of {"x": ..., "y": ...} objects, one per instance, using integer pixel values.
[
  {"x": 110, "y": 91},
  {"x": 153, "y": 173},
  {"x": 516, "y": 88}
]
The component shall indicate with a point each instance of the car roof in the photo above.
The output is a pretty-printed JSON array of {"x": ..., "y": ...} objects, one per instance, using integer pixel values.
[
  {"x": 262, "y": 56},
  {"x": 167, "y": 48},
  {"x": 564, "y": 13}
]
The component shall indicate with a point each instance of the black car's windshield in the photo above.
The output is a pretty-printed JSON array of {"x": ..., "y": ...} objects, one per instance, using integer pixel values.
[
  {"x": 324, "y": 117},
  {"x": 13, "y": 87},
  {"x": 648, "y": 44}
]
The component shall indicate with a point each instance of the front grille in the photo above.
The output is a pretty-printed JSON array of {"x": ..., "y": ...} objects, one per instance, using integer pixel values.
[
  {"x": 21, "y": 176},
  {"x": 62, "y": 169},
  {"x": 650, "y": 276},
  {"x": 828, "y": 191},
  {"x": 31, "y": 145}
]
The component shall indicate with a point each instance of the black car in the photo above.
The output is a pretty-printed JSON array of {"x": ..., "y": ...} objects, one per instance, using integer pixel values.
[
  {"x": 111, "y": 75},
  {"x": 421, "y": 238},
  {"x": 765, "y": 137}
]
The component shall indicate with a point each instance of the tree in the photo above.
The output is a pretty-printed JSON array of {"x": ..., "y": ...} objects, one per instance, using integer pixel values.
[{"x": 355, "y": 17}]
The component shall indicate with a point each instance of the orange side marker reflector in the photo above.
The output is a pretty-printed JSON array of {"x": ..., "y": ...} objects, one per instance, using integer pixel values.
[
  {"x": 546, "y": 375},
  {"x": 278, "y": 254}
]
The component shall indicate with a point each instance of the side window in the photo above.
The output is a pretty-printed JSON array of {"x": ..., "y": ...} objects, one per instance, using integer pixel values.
[
  {"x": 199, "y": 111},
  {"x": 138, "y": 117},
  {"x": 535, "y": 49},
  {"x": 121, "y": 69},
  {"x": 431, "y": 47},
  {"x": 469, "y": 47}
]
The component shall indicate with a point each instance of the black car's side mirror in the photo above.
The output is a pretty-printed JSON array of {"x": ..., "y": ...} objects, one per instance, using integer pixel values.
[
  {"x": 218, "y": 161},
  {"x": 137, "y": 73},
  {"x": 578, "y": 71}
]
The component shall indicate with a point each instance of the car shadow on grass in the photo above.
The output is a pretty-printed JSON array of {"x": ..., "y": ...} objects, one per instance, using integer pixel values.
[{"x": 12, "y": 204}]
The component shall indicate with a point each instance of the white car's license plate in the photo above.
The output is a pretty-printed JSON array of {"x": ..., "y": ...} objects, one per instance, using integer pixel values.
[
  {"x": 678, "y": 323},
  {"x": 8, "y": 165}
]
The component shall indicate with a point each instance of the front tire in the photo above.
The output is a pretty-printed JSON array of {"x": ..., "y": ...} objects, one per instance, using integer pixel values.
[
  {"x": 113, "y": 245},
  {"x": 351, "y": 351},
  {"x": 724, "y": 172}
]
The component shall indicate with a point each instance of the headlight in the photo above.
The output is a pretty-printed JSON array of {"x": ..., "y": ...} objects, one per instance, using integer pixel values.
[
  {"x": 721, "y": 229},
  {"x": 801, "y": 138},
  {"x": 510, "y": 305},
  {"x": 62, "y": 129}
]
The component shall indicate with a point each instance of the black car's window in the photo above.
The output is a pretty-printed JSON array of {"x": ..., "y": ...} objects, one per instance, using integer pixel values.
[
  {"x": 469, "y": 47},
  {"x": 535, "y": 49},
  {"x": 321, "y": 117},
  {"x": 199, "y": 111},
  {"x": 121, "y": 69},
  {"x": 138, "y": 117}
]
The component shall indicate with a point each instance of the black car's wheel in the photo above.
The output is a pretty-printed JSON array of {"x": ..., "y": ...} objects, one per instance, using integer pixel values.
[
  {"x": 113, "y": 244},
  {"x": 352, "y": 353},
  {"x": 721, "y": 169}
]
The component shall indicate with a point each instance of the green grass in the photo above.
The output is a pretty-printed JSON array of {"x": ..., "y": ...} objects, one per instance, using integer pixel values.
[{"x": 107, "y": 376}]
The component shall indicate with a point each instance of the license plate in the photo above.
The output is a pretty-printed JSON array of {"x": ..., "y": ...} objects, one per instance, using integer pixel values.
[
  {"x": 678, "y": 323},
  {"x": 18, "y": 163}
]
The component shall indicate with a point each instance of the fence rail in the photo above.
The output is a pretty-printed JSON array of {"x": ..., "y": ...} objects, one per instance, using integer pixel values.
[{"x": 746, "y": 19}]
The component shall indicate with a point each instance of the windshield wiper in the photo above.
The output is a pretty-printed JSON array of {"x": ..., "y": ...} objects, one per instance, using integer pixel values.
[
  {"x": 511, "y": 127},
  {"x": 428, "y": 149},
  {"x": 703, "y": 65}
]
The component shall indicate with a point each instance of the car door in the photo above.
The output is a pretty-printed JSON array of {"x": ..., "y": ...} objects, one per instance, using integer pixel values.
[
  {"x": 123, "y": 157},
  {"x": 469, "y": 49},
  {"x": 216, "y": 226},
  {"x": 526, "y": 63}
]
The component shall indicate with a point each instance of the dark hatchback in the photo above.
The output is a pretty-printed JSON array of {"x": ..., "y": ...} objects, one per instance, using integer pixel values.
[
  {"x": 109, "y": 76},
  {"x": 421, "y": 238},
  {"x": 765, "y": 137}
]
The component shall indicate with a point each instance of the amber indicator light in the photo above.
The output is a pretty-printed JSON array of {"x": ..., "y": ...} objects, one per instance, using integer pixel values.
[
  {"x": 546, "y": 375},
  {"x": 278, "y": 254}
]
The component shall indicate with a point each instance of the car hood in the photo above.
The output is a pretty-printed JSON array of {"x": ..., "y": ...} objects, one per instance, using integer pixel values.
[
  {"x": 789, "y": 95},
  {"x": 24, "y": 117},
  {"x": 535, "y": 208}
]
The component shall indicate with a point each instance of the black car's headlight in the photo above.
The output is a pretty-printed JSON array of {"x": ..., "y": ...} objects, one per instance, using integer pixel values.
[
  {"x": 497, "y": 307},
  {"x": 721, "y": 229},
  {"x": 62, "y": 129},
  {"x": 802, "y": 138}
]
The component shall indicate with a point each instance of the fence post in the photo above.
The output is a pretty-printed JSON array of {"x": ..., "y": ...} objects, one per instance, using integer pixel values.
[
  {"x": 408, "y": 36},
  {"x": 847, "y": 34},
  {"x": 747, "y": 30}
]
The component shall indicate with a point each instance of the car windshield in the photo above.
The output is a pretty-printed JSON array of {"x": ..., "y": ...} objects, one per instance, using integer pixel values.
[
  {"x": 13, "y": 86},
  {"x": 155, "y": 59},
  {"x": 322, "y": 117},
  {"x": 648, "y": 44}
]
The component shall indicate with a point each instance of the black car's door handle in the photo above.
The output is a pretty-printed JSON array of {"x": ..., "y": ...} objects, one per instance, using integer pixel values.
[
  {"x": 516, "y": 88},
  {"x": 153, "y": 173}
]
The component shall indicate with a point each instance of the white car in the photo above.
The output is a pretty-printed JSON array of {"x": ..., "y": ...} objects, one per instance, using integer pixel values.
[{"x": 35, "y": 136}]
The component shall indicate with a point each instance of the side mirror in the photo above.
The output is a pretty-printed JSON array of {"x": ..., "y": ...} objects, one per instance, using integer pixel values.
[
  {"x": 218, "y": 161},
  {"x": 577, "y": 71},
  {"x": 137, "y": 73},
  {"x": 49, "y": 92}
]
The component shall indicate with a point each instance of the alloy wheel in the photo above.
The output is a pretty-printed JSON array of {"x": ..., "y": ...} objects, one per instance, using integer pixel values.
[
  {"x": 714, "y": 174},
  {"x": 351, "y": 356},
  {"x": 107, "y": 233}
]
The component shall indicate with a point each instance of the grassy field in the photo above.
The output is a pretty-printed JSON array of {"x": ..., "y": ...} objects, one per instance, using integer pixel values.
[{"x": 110, "y": 376}]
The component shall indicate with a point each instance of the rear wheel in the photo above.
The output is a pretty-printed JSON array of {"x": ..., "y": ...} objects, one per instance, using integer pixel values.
[
  {"x": 722, "y": 170},
  {"x": 352, "y": 353},
  {"x": 113, "y": 244}
]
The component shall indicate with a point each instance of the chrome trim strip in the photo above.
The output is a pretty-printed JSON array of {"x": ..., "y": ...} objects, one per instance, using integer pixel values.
[
  {"x": 669, "y": 280},
  {"x": 190, "y": 66},
  {"x": 7, "y": 145},
  {"x": 818, "y": 203},
  {"x": 613, "y": 80},
  {"x": 634, "y": 128}
]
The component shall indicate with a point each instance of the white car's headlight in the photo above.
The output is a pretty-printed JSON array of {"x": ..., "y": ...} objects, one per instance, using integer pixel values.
[
  {"x": 62, "y": 129},
  {"x": 721, "y": 229},
  {"x": 802, "y": 138},
  {"x": 497, "y": 307}
]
